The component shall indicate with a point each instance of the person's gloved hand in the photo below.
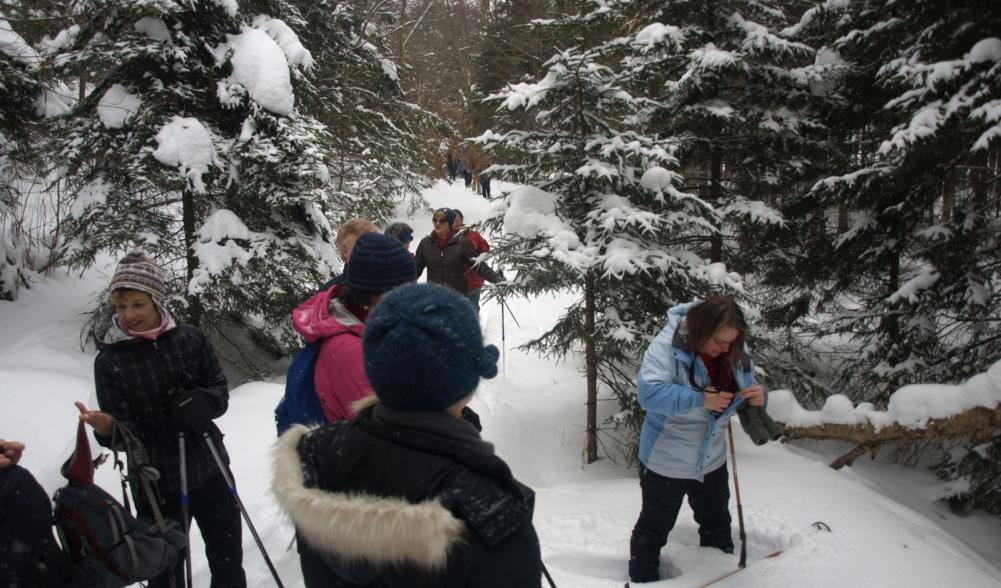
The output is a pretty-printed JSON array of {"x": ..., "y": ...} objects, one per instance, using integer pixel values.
[{"x": 189, "y": 411}]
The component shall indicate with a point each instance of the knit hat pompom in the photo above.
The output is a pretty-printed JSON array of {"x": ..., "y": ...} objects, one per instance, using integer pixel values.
[
  {"x": 378, "y": 264},
  {"x": 424, "y": 349},
  {"x": 137, "y": 271}
]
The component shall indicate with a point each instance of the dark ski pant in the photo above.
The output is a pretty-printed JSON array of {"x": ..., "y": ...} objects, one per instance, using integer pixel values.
[
  {"x": 214, "y": 508},
  {"x": 662, "y": 497}
]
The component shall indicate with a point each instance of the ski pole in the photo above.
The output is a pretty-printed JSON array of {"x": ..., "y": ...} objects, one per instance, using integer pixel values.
[
  {"x": 514, "y": 318},
  {"x": 232, "y": 489},
  {"x": 184, "y": 509},
  {"x": 503, "y": 343},
  {"x": 549, "y": 578},
  {"x": 740, "y": 510}
]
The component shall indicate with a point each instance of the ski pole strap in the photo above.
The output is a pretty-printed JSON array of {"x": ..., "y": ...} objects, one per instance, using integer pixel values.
[{"x": 144, "y": 471}]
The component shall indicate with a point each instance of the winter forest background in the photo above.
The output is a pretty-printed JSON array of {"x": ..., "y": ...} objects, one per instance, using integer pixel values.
[{"x": 834, "y": 166}]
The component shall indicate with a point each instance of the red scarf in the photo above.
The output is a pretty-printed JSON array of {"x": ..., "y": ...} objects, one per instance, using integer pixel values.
[
  {"x": 720, "y": 376},
  {"x": 442, "y": 241}
]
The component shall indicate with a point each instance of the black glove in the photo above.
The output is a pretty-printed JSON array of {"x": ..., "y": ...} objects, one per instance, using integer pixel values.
[{"x": 189, "y": 411}]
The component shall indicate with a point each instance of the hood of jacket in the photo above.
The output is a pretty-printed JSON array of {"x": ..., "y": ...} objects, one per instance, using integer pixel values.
[
  {"x": 324, "y": 316},
  {"x": 362, "y": 527}
]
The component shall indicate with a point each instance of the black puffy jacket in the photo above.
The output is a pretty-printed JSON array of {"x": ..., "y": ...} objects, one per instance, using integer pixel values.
[{"x": 394, "y": 499}]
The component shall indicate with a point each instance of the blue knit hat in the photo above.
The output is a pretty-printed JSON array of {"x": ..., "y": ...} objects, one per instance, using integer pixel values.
[
  {"x": 378, "y": 264},
  {"x": 449, "y": 215},
  {"x": 423, "y": 348}
]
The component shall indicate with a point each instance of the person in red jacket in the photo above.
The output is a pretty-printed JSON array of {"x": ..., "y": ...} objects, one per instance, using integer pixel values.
[{"x": 474, "y": 281}]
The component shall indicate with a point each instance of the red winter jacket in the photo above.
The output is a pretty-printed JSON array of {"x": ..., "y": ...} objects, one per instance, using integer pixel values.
[{"x": 474, "y": 281}]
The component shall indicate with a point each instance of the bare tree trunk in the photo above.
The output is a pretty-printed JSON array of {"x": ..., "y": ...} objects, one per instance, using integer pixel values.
[
  {"x": 948, "y": 195},
  {"x": 715, "y": 194},
  {"x": 400, "y": 33},
  {"x": 842, "y": 218},
  {"x": 591, "y": 360},
  {"x": 188, "y": 220}
]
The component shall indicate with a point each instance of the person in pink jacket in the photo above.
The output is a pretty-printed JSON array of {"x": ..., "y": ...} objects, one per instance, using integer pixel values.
[{"x": 378, "y": 264}]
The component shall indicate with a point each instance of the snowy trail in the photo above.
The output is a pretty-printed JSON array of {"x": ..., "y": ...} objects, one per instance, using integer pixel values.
[{"x": 535, "y": 415}]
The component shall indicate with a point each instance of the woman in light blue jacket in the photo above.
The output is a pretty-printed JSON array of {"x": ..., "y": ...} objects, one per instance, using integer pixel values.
[{"x": 694, "y": 376}]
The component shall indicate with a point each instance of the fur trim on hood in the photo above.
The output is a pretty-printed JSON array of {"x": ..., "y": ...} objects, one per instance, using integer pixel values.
[{"x": 361, "y": 527}]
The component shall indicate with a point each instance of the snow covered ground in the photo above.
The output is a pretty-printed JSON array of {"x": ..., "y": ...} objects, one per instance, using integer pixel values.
[{"x": 884, "y": 529}]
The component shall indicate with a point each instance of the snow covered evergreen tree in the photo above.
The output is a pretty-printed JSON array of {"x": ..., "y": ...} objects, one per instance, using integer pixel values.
[
  {"x": 19, "y": 84},
  {"x": 189, "y": 142},
  {"x": 25, "y": 228},
  {"x": 915, "y": 264},
  {"x": 740, "y": 97},
  {"x": 600, "y": 213},
  {"x": 375, "y": 133}
]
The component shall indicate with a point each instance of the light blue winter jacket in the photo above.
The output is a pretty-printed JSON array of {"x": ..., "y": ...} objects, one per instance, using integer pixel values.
[{"x": 680, "y": 438}]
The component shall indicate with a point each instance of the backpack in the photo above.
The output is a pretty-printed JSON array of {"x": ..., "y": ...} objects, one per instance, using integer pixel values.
[
  {"x": 300, "y": 404},
  {"x": 109, "y": 545}
]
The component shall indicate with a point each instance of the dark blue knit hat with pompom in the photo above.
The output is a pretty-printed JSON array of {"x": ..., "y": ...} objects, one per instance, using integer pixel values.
[
  {"x": 378, "y": 264},
  {"x": 424, "y": 348}
]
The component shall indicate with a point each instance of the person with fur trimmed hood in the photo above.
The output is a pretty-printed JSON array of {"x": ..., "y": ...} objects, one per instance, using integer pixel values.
[
  {"x": 159, "y": 378},
  {"x": 407, "y": 494}
]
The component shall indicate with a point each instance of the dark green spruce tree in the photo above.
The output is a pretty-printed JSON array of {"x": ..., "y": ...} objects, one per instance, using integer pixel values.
[
  {"x": 917, "y": 251},
  {"x": 375, "y": 140},
  {"x": 190, "y": 142},
  {"x": 599, "y": 213}
]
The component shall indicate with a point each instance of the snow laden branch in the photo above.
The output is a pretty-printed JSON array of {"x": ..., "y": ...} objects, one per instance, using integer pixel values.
[{"x": 969, "y": 412}]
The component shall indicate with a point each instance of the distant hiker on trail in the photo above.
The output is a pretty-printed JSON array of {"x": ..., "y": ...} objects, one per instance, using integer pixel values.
[
  {"x": 485, "y": 185},
  {"x": 692, "y": 379},
  {"x": 474, "y": 281},
  {"x": 408, "y": 494},
  {"x": 378, "y": 264},
  {"x": 447, "y": 255},
  {"x": 450, "y": 167},
  {"x": 467, "y": 175},
  {"x": 160, "y": 378},
  {"x": 30, "y": 557},
  {"x": 402, "y": 232},
  {"x": 349, "y": 232}
]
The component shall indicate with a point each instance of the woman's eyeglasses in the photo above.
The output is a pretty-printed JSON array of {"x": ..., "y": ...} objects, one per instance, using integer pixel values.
[
  {"x": 439, "y": 220},
  {"x": 722, "y": 343}
]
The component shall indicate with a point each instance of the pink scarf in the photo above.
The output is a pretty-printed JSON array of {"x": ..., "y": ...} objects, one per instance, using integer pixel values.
[{"x": 155, "y": 332}]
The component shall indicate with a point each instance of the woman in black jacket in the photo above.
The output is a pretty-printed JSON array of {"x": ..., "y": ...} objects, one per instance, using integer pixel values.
[
  {"x": 408, "y": 494},
  {"x": 447, "y": 254},
  {"x": 159, "y": 379}
]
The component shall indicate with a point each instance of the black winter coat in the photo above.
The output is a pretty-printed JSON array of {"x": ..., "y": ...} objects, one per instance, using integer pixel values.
[
  {"x": 448, "y": 266},
  {"x": 29, "y": 554},
  {"x": 136, "y": 380},
  {"x": 394, "y": 500}
]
